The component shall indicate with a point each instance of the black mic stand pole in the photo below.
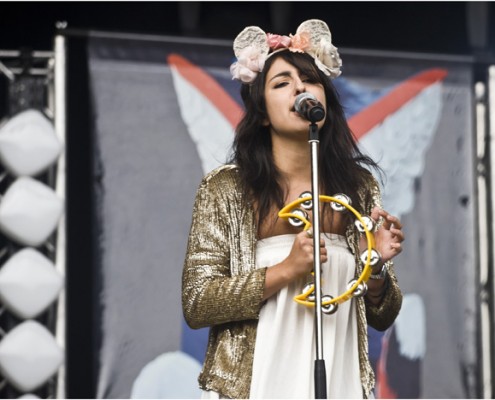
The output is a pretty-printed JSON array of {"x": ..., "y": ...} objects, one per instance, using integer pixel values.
[{"x": 320, "y": 371}]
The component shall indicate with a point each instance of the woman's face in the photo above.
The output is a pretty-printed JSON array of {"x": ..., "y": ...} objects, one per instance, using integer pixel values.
[{"x": 283, "y": 83}]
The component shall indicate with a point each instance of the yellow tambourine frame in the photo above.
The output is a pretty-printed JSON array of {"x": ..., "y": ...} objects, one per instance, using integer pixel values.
[{"x": 287, "y": 213}]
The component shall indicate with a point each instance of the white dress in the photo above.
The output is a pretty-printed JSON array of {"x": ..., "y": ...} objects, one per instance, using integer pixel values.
[{"x": 284, "y": 353}]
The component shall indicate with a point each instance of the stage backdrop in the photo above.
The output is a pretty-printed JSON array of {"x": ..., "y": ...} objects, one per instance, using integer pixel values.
[{"x": 164, "y": 112}]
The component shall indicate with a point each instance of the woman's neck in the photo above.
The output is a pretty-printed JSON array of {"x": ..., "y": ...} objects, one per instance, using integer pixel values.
[{"x": 293, "y": 160}]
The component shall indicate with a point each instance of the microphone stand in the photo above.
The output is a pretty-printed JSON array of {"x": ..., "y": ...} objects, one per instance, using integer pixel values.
[{"x": 320, "y": 371}]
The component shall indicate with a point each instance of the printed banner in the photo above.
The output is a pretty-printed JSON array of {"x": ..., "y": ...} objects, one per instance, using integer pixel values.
[{"x": 165, "y": 112}]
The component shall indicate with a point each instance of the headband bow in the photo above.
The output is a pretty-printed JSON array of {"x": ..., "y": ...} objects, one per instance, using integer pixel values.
[{"x": 253, "y": 46}]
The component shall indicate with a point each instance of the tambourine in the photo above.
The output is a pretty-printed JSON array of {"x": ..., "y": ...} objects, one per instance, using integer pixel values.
[{"x": 356, "y": 287}]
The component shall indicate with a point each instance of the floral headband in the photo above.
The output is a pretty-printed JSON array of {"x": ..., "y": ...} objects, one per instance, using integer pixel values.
[{"x": 253, "y": 46}]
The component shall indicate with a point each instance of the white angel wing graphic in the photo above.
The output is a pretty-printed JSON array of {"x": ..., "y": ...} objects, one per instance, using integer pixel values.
[
  {"x": 208, "y": 111},
  {"x": 399, "y": 131}
]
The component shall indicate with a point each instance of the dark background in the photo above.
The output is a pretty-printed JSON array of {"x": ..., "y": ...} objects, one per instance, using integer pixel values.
[{"x": 434, "y": 27}]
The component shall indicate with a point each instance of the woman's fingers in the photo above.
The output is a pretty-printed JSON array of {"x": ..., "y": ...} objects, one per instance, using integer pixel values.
[
  {"x": 398, "y": 234},
  {"x": 307, "y": 245}
]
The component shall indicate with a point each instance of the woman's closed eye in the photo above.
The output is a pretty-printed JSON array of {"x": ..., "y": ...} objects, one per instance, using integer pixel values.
[{"x": 280, "y": 84}]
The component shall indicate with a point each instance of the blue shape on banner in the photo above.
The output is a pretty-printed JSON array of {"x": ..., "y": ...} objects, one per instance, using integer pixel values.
[
  {"x": 356, "y": 97},
  {"x": 194, "y": 341}
]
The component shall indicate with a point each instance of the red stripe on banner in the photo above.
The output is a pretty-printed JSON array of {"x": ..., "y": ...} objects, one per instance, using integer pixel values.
[
  {"x": 364, "y": 121},
  {"x": 210, "y": 88}
]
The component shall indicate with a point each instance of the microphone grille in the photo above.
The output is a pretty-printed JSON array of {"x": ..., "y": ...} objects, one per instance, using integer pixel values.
[{"x": 300, "y": 98}]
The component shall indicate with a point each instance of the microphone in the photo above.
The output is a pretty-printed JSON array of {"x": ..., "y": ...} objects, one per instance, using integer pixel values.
[{"x": 309, "y": 108}]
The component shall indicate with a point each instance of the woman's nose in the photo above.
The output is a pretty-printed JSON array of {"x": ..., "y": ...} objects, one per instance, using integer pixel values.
[{"x": 300, "y": 86}]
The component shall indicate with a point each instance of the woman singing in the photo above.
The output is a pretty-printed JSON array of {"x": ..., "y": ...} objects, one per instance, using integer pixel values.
[{"x": 244, "y": 264}]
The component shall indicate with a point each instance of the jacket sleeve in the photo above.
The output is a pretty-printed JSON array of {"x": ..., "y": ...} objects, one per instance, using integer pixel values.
[
  {"x": 211, "y": 294},
  {"x": 382, "y": 316}
]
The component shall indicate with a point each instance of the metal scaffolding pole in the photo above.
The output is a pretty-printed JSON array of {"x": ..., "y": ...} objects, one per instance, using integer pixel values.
[
  {"x": 60, "y": 188},
  {"x": 38, "y": 81}
]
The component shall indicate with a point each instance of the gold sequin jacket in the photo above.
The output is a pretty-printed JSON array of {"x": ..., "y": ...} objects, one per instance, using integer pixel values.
[{"x": 222, "y": 289}]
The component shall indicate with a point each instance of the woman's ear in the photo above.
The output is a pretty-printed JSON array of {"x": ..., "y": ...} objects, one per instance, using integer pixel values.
[{"x": 265, "y": 122}]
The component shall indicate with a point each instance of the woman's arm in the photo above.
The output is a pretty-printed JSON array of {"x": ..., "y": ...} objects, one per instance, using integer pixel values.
[
  {"x": 381, "y": 312},
  {"x": 211, "y": 295},
  {"x": 384, "y": 298}
]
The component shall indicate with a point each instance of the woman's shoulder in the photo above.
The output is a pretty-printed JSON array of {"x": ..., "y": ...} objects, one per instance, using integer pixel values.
[
  {"x": 367, "y": 181},
  {"x": 223, "y": 173},
  {"x": 369, "y": 191},
  {"x": 223, "y": 179},
  {"x": 370, "y": 181}
]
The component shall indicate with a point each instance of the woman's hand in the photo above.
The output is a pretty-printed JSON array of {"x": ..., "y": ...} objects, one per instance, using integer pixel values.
[
  {"x": 389, "y": 235},
  {"x": 299, "y": 263},
  {"x": 388, "y": 239}
]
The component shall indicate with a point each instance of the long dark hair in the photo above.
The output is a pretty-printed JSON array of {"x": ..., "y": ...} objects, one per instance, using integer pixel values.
[{"x": 340, "y": 160}]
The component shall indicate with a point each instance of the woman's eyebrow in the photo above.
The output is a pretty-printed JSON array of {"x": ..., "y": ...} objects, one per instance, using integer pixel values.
[{"x": 283, "y": 73}]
